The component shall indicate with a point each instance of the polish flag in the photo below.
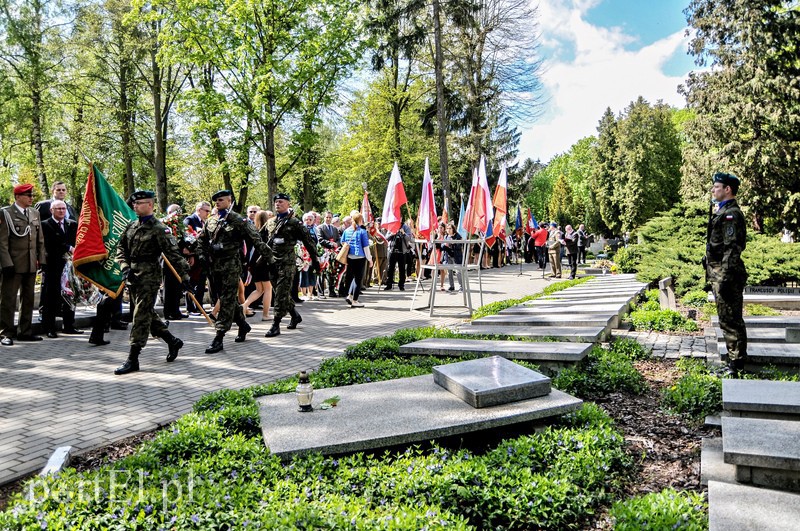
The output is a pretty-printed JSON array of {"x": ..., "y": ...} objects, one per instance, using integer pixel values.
[
  {"x": 392, "y": 220},
  {"x": 426, "y": 220},
  {"x": 479, "y": 208},
  {"x": 500, "y": 203}
]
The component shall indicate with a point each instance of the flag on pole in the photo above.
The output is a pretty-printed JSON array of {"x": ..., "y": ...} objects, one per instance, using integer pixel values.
[
  {"x": 103, "y": 218},
  {"x": 518, "y": 221},
  {"x": 500, "y": 203},
  {"x": 366, "y": 210},
  {"x": 461, "y": 230},
  {"x": 392, "y": 220},
  {"x": 532, "y": 225},
  {"x": 479, "y": 211},
  {"x": 445, "y": 212},
  {"x": 426, "y": 218}
]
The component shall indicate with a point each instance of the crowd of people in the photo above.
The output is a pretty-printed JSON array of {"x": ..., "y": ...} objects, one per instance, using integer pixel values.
[{"x": 266, "y": 261}]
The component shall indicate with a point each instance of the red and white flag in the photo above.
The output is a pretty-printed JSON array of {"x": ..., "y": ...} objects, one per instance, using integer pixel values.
[
  {"x": 479, "y": 211},
  {"x": 366, "y": 210},
  {"x": 500, "y": 203},
  {"x": 392, "y": 220},
  {"x": 426, "y": 219}
]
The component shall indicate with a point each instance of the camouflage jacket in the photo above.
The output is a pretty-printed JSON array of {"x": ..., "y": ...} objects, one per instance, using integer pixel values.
[
  {"x": 221, "y": 239},
  {"x": 140, "y": 247},
  {"x": 283, "y": 233},
  {"x": 727, "y": 237}
]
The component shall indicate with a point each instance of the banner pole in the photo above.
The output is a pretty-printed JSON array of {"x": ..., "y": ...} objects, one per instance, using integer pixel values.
[{"x": 191, "y": 295}]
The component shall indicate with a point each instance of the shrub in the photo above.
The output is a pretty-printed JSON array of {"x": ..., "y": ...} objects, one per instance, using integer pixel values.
[
  {"x": 630, "y": 348},
  {"x": 661, "y": 321},
  {"x": 601, "y": 372},
  {"x": 663, "y": 510},
  {"x": 627, "y": 258},
  {"x": 697, "y": 393},
  {"x": 760, "y": 309},
  {"x": 696, "y": 298}
]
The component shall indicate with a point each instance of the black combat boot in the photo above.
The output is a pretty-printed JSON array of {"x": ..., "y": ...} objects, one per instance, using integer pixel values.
[
  {"x": 244, "y": 328},
  {"x": 276, "y": 328},
  {"x": 296, "y": 319},
  {"x": 132, "y": 363},
  {"x": 216, "y": 345},
  {"x": 96, "y": 338},
  {"x": 174, "y": 344}
]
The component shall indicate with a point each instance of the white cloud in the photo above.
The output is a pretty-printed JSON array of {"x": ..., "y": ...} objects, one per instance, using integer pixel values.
[{"x": 589, "y": 71}]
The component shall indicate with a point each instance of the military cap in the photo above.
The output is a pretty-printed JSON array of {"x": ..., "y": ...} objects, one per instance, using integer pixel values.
[
  {"x": 141, "y": 194},
  {"x": 553, "y": 224},
  {"x": 23, "y": 189},
  {"x": 222, "y": 193},
  {"x": 727, "y": 179},
  {"x": 281, "y": 195}
]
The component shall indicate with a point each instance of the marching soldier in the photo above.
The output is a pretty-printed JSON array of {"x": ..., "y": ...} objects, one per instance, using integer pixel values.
[
  {"x": 221, "y": 245},
  {"x": 284, "y": 230},
  {"x": 726, "y": 240},
  {"x": 138, "y": 251}
]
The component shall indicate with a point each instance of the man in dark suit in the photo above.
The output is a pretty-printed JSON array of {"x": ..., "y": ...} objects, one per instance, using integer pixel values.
[
  {"x": 21, "y": 254},
  {"x": 59, "y": 194},
  {"x": 328, "y": 237},
  {"x": 197, "y": 275},
  {"x": 59, "y": 242}
]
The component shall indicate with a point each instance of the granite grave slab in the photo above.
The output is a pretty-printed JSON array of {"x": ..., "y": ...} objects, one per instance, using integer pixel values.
[
  {"x": 743, "y": 508},
  {"x": 394, "y": 412},
  {"x": 759, "y": 335},
  {"x": 785, "y": 355},
  {"x": 765, "y": 452},
  {"x": 761, "y": 399},
  {"x": 765, "y": 321},
  {"x": 712, "y": 463},
  {"x": 544, "y": 318},
  {"x": 576, "y": 334},
  {"x": 548, "y": 351},
  {"x": 491, "y": 381}
]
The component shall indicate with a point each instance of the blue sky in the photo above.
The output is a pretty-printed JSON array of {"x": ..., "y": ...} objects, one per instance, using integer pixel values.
[{"x": 599, "y": 54}]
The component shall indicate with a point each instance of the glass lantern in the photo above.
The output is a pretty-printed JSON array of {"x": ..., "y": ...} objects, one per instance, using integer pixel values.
[{"x": 305, "y": 393}]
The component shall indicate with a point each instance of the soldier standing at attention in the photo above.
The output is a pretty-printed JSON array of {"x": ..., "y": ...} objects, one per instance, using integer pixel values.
[
  {"x": 221, "y": 245},
  {"x": 138, "y": 251},
  {"x": 284, "y": 230},
  {"x": 727, "y": 237}
]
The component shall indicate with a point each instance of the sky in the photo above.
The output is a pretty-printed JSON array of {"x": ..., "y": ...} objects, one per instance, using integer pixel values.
[{"x": 599, "y": 54}]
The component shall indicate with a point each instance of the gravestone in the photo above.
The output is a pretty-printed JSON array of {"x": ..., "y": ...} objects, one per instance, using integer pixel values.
[
  {"x": 793, "y": 335},
  {"x": 666, "y": 294}
]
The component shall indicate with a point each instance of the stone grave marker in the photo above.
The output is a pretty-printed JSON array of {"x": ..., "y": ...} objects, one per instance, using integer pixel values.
[{"x": 666, "y": 294}]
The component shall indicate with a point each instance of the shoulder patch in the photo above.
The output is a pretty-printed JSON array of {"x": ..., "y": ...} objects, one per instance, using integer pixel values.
[{"x": 729, "y": 230}]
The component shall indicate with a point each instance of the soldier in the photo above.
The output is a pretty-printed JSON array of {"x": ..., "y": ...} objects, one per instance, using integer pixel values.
[
  {"x": 138, "y": 251},
  {"x": 221, "y": 247},
  {"x": 284, "y": 230},
  {"x": 21, "y": 255},
  {"x": 726, "y": 239}
]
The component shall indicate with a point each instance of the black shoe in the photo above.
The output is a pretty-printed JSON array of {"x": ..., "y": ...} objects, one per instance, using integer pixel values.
[
  {"x": 332, "y": 295},
  {"x": 296, "y": 320},
  {"x": 52, "y": 335},
  {"x": 275, "y": 330},
  {"x": 175, "y": 345},
  {"x": 98, "y": 341},
  {"x": 176, "y": 316},
  {"x": 216, "y": 344},
  {"x": 29, "y": 338},
  {"x": 298, "y": 300},
  {"x": 401, "y": 288},
  {"x": 118, "y": 325},
  {"x": 387, "y": 288},
  {"x": 127, "y": 367},
  {"x": 244, "y": 328},
  {"x": 7, "y": 342},
  {"x": 72, "y": 331}
]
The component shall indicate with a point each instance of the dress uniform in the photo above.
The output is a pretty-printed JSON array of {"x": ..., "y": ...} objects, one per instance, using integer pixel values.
[
  {"x": 221, "y": 248},
  {"x": 138, "y": 251},
  {"x": 21, "y": 254},
  {"x": 726, "y": 240},
  {"x": 284, "y": 230}
]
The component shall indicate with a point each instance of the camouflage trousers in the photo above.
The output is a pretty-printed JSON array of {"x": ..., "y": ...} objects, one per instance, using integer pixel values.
[
  {"x": 226, "y": 280},
  {"x": 146, "y": 321},
  {"x": 729, "y": 300},
  {"x": 282, "y": 277}
]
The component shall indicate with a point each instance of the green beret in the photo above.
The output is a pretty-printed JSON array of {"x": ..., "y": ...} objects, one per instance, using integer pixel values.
[
  {"x": 141, "y": 194},
  {"x": 222, "y": 193},
  {"x": 726, "y": 179},
  {"x": 281, "y": 195}
]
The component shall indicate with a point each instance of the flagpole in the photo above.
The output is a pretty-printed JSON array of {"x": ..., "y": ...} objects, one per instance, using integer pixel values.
[{"x": 191, "y": 295}]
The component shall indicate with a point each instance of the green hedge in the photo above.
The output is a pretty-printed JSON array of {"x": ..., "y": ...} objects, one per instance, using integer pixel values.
[{"x": 665, "y": 510}]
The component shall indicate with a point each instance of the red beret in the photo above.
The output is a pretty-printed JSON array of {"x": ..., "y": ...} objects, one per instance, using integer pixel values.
[{"x": 22, "y": 189}]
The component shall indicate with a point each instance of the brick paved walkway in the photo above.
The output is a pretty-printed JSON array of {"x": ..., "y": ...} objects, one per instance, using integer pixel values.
[
  {"x": 63, "y": 392},
  {"x": 669, "y": 346}
]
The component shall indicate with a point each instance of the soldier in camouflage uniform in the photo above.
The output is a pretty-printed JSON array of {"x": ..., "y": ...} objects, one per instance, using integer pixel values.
[
  {"x": 284, "y": 231},
  {"x": 726, "y": 239},
  {"x": 138, "y": 251},
  {"x": 221, "y": 247}
]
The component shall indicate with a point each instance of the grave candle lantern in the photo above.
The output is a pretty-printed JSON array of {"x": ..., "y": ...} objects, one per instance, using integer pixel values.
[{"x": 304, "y": 392}]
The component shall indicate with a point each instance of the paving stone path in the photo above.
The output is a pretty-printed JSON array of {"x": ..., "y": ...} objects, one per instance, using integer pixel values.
[
  {"x": 63, "y": 392},
  {"x": 667, "y": 346}
]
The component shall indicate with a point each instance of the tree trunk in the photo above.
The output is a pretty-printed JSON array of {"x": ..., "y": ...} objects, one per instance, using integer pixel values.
[
  {"x": 159, "y": 147},
  {"x": 243, "y": 163},
  {"x": 77, "y": 198},
  {"x": 438, "y": 65},
  {"x": 36, "y": 119},
  {"x": 269, "y": 156}
]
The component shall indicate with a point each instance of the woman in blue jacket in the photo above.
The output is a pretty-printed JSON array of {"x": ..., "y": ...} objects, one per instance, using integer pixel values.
[{"x": 357, "y": 258}]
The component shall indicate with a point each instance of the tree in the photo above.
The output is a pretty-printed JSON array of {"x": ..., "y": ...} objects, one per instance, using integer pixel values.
[
  {"x": 747, "y": 104},
  {"x": 561, "y": 207},
  {"x": 607, "y": 163}
]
